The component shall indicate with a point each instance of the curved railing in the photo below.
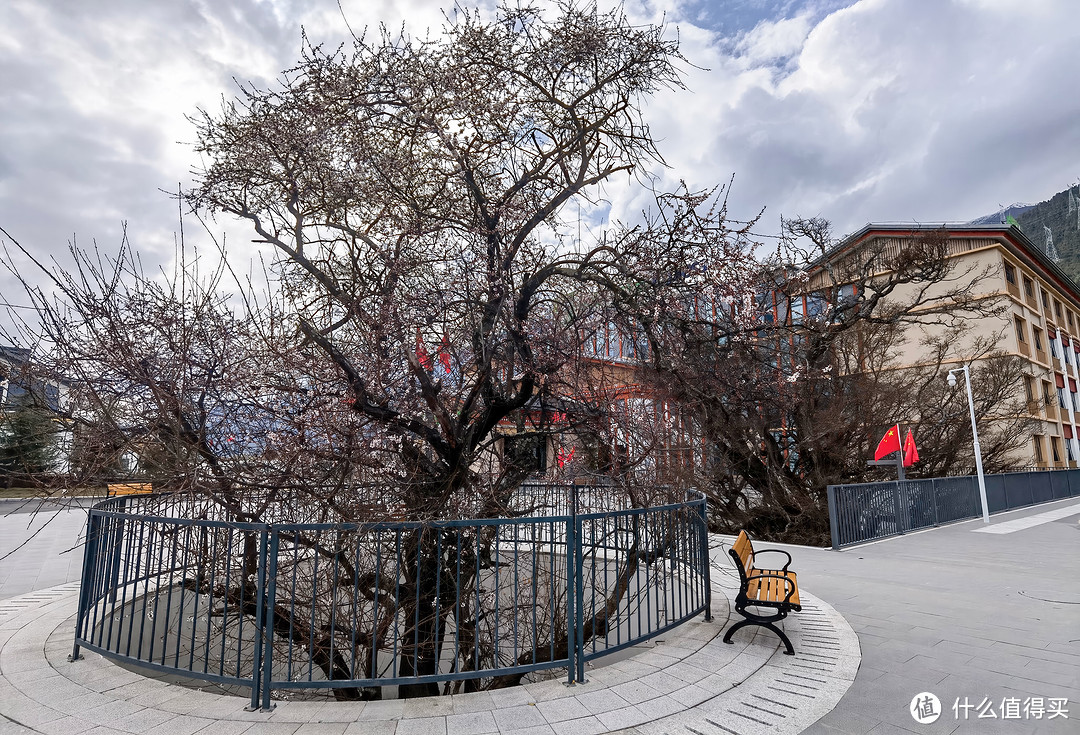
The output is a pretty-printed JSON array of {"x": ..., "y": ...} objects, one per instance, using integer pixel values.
[{"x": 184, "y": 585}]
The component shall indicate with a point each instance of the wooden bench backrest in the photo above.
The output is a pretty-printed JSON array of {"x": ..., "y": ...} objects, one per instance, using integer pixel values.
[
  {"x": 128, "y": 488},
  {"x": 742, "y": 551}
]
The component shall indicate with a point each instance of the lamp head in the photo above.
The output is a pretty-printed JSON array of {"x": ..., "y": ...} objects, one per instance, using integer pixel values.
[{"x": 952, "y": 380}]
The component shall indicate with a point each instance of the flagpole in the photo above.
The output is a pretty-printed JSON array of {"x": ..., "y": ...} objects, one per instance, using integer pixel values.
[{"x": 899, "y": 456}]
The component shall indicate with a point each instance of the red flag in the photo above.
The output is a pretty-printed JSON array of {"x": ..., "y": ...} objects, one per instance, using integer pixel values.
[
  {"x": 911, "y": 453},
  {"x": 444, "y": 352},
  {"x": 564, "y": 457},
  {"x": 889, "y": 443},
  {"x": 421, "y": 352}
]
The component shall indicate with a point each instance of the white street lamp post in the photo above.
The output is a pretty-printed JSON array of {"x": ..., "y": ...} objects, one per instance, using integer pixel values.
[{"x": 975, "y": 437}]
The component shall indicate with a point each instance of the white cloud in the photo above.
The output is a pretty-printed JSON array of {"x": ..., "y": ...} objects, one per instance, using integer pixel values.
[
  {"x": 881, "y": 110},
  {"x": 889, "y": 110}
]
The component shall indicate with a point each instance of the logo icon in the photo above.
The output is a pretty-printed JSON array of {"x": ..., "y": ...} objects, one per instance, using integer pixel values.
[{"x": 925, "y": 708}]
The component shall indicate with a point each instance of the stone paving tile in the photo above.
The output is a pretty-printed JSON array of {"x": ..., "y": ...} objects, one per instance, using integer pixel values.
[
  {"x": 228, "y": 727},
  {"x": 660, "y": 707},
  {"x": 473, "y": 702},
  {"x": 617, "y": 719},
  {"x": 535, "y": 730},
  {"x": 603, "y": 700},
  {"x": 516, "y": 718},
  {"x": 373, "y": 727},
  {"x": 145, "y": 720},
  {"x": 635, "y": 691},
  {"x": 66, "y": 726},
  {"x": 560, "y": 710},
  {"x": 427, "y": 707},
  {"x": 385, "y": 709},
  {"x": 340, "y": 712},
  {"x": 276, "y": 728},
  {"x": 581, "y": 726},
  {"x": 471, "y": 723},
  {"x": 8, "y": 727},
  {"x": 422, "y": 726},
  {"x": 318, "y": 728}
]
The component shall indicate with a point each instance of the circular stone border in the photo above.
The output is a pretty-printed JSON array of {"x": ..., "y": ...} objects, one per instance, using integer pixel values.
[{"x": 684, "y": 681}]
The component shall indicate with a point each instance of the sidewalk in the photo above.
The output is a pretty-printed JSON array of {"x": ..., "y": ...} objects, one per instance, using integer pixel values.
[
  {"x": 960, "y": 613},
  {"x": 40, "y": 550}
]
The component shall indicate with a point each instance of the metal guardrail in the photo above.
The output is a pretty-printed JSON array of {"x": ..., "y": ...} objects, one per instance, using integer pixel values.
[
  {"x": 177, "y": 584},
  {"x": 870, "y": 511}
]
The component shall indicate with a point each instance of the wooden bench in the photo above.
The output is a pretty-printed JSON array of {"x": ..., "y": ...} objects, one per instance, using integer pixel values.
[
  {"x": 763, "y": 588},
  {"x": 113, "y": 489}
]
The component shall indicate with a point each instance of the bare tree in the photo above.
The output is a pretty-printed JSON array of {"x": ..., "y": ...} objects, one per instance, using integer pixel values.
[
  {"x": 426, "y": 300},
  {"x": 789, "y": 382}
]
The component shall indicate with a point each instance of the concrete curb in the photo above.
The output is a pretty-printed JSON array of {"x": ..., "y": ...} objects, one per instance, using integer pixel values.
[{"x": 684, "y": 681}]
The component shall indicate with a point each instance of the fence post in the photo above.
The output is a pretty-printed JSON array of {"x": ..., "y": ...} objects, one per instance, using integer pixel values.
[
  {"x": 579, "y": 595},
  {"x": 268, "y": 620},
  {"x": 260, "y": 603},
  {"x": 897, "y": 509},
  {"x": 834, "y": 519},
  {"x": 708, "y": 559},
  {"x": 571, "y": 593},
  {"x": 933, "y": 498},
  {"x": 89, "y": 562}
]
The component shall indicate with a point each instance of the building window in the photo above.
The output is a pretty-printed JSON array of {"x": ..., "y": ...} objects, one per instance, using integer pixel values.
[
  {"x": 1020, "y": 330},
  {"x": 1054, "y": 348},
  {"x": 1028, "y": 391},
  {"x": 526, "y": 452},
  {"x": 1057, "y": 309},
  {"x": 1037, "y": 442},
  {"x": 1055, "y": 448},
  {"x": 1076, "y": 401},
  {"x": 1045, "y": 299},
  {"x": 1029, "y": 288},
  {"x": 1061, "y": 398},
  {"x": 797, "y": 310},
  {"x": 1069, "y": 450},
  {"x": 1010, "y": 274},
  {"x": 1048, "y": 393},
  {"x": 1036, "y": 334},
  {"x": 1069, "y": 316}
]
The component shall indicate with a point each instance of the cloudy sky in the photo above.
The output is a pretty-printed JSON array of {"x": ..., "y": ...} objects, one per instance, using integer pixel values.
[{"x": 911, "y": 110}]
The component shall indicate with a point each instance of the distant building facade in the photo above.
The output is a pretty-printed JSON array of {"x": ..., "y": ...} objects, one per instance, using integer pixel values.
[{"x": 1041, "y": 324}]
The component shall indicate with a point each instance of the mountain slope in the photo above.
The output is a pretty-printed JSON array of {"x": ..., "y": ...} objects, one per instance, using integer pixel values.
[{"x": 1061, "y": 215}]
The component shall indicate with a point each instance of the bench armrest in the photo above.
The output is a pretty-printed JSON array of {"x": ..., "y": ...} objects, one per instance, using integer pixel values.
[
  {"x": 788, "y": 582},
  {"x": 775, "y": 551}
]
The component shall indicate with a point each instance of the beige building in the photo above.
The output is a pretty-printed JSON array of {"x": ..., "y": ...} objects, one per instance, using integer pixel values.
[{"x": 1041, "y": 323}]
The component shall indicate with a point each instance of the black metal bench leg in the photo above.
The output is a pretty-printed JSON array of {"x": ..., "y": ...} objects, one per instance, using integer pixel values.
[
  {"x": 788, "y": 648},
  {"x": 732, "y": 629}
]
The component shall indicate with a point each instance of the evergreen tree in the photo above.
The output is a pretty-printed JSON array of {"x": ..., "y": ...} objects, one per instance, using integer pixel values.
[{"x": 27, "y": 444}]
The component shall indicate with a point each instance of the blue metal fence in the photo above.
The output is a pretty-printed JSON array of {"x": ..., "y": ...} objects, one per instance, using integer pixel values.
[
  {"x": 869, "y": 511},
  {"x": 184, "y": 585}
]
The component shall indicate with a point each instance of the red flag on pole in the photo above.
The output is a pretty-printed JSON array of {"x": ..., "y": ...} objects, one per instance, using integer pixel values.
[
  {"x": 444, "y": 352},
  {"x": 911, "y": 453},
  {"x": 889, "y": 443},
  {"x": 421, "y": 352}
]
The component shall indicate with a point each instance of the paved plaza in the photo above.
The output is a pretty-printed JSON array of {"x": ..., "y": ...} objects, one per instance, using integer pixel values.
[{"x": 980, "y": 619}]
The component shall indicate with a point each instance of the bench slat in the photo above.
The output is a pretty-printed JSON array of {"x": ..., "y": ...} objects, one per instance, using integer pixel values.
[{"x": 773, "y": 589}]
